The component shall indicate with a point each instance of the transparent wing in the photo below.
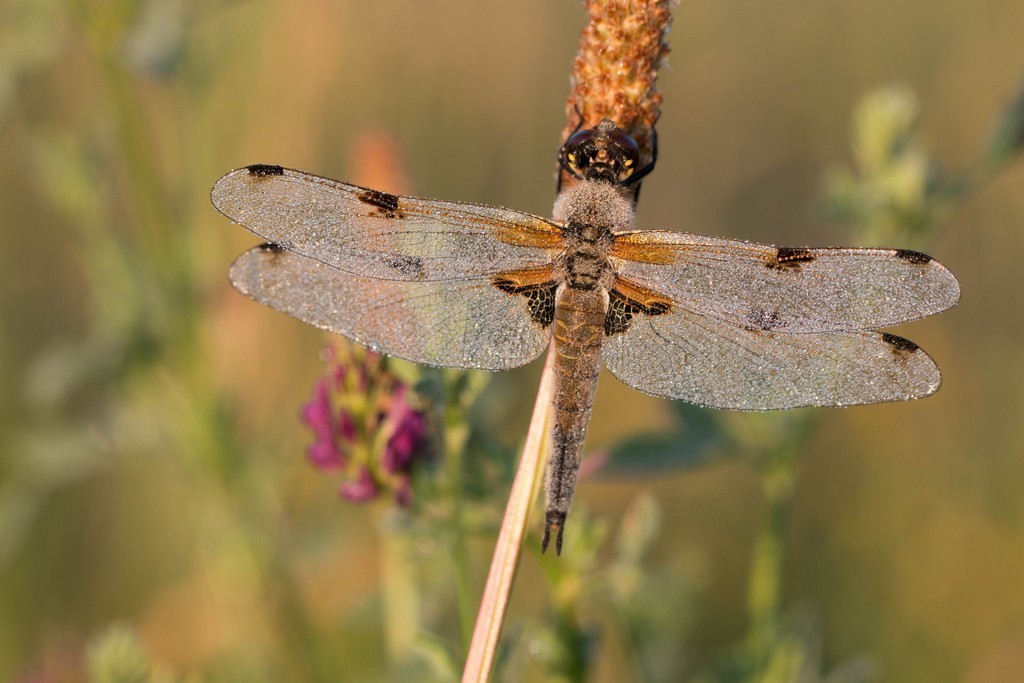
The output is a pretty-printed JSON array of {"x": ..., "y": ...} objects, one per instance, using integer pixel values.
[
  {"x": 713, "y": 363},
  {"x": 463, "y": 324},
  {"x": 797, "y": 290},
  {"x": 380, "y": 235}
]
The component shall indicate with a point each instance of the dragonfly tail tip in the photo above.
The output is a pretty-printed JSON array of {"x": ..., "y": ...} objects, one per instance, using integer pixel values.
[{"x": 555, "y": 523}]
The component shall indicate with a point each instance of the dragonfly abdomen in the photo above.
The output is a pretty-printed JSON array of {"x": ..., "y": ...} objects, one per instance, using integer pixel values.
[{"x": 579, "y": 334}]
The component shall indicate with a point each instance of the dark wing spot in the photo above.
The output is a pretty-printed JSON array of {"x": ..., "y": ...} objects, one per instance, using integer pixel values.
[
  {"x": 619, "y": 315},
  {"x": 506, "y": 286},
  {"x": 264, "y": 170},
  {"x": 656, "y": 308},
  {"x": 790, "y": 258},
  {"x": 621, "y": 310},
  {"x": 915, "y": 257},
  {"x": 387, "y": 204},
  {"x": 762, "y": 319},
  {"x": 410, "y": 267},
  {"x": 785, "y": 254},
  {"x": 899, "y": 344},
  {"x": 540, "y": 298},
  {"x": 279, "y": 246},
  {"x": 272, "y": 251}
]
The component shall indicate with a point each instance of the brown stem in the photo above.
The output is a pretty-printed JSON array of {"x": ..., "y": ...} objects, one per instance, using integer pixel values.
[
  {"x": 620, "y": 50},
  {"x": 613, "y": 76}
]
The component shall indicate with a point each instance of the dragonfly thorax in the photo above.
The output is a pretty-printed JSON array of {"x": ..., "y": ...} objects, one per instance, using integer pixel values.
[
  {"x": 589, "y": 213},
  {"x": 594, "y": 203}
]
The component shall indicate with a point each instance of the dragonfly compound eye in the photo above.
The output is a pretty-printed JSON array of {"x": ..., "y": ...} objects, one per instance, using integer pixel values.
[
  {"x": 578, "y": 152},
  {"x": 604, "y": 153},
  {"x": 625, "y": 151}
]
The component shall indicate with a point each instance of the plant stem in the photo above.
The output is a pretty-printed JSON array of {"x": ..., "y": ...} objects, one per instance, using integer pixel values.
[
  {"x": 400, "y": 592},
  {"x": 513, "y": 527},
  {"x": 456, "y": 436},
  {"x": 764, "y": 589}
]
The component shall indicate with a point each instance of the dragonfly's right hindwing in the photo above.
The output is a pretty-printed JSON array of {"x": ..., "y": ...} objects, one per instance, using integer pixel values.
[{"x": 469, "y": 323}]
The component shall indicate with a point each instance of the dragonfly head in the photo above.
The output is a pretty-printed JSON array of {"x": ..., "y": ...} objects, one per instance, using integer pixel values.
[{"x": 603, "y": 153}]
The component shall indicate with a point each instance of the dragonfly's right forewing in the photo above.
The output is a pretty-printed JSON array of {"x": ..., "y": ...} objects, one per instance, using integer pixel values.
[{"x": 380, "y": 235}]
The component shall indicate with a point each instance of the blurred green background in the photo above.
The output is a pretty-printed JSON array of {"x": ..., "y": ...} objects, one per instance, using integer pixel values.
[{"x": 151, "y": 456}]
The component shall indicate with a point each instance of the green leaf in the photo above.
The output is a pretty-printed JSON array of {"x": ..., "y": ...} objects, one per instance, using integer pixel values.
[
  {"x": 700, "y": 437},
  {"x": 650, "y": 453},
  {"x": 1008, "y": 139},
  {"x": 118, "y": 656}
]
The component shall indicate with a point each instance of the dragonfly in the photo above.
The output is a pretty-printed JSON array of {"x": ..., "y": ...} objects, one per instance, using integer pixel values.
[{"x": 718, "y": 322}]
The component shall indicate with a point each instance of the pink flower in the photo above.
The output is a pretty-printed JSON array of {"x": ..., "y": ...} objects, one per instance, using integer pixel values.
[
  {"x": 408, "y": 435},
  {"x": 357, "y": 401},
  {"x": 361, "y": 489},
  {"x": 317, "y": 413},
  {"x": 324, "y": 451}
]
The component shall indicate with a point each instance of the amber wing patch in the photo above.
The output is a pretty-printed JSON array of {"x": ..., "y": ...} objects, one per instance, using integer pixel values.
[
  {"x": 627, "y": 300},
  {"x": 537, "y": 233},
  {"x": 537, "y": 286},
  {"x": 641, "y": 247}
]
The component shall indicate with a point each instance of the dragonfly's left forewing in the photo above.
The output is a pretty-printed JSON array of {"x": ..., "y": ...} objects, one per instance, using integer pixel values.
[{"x": 787, "y": 289}]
